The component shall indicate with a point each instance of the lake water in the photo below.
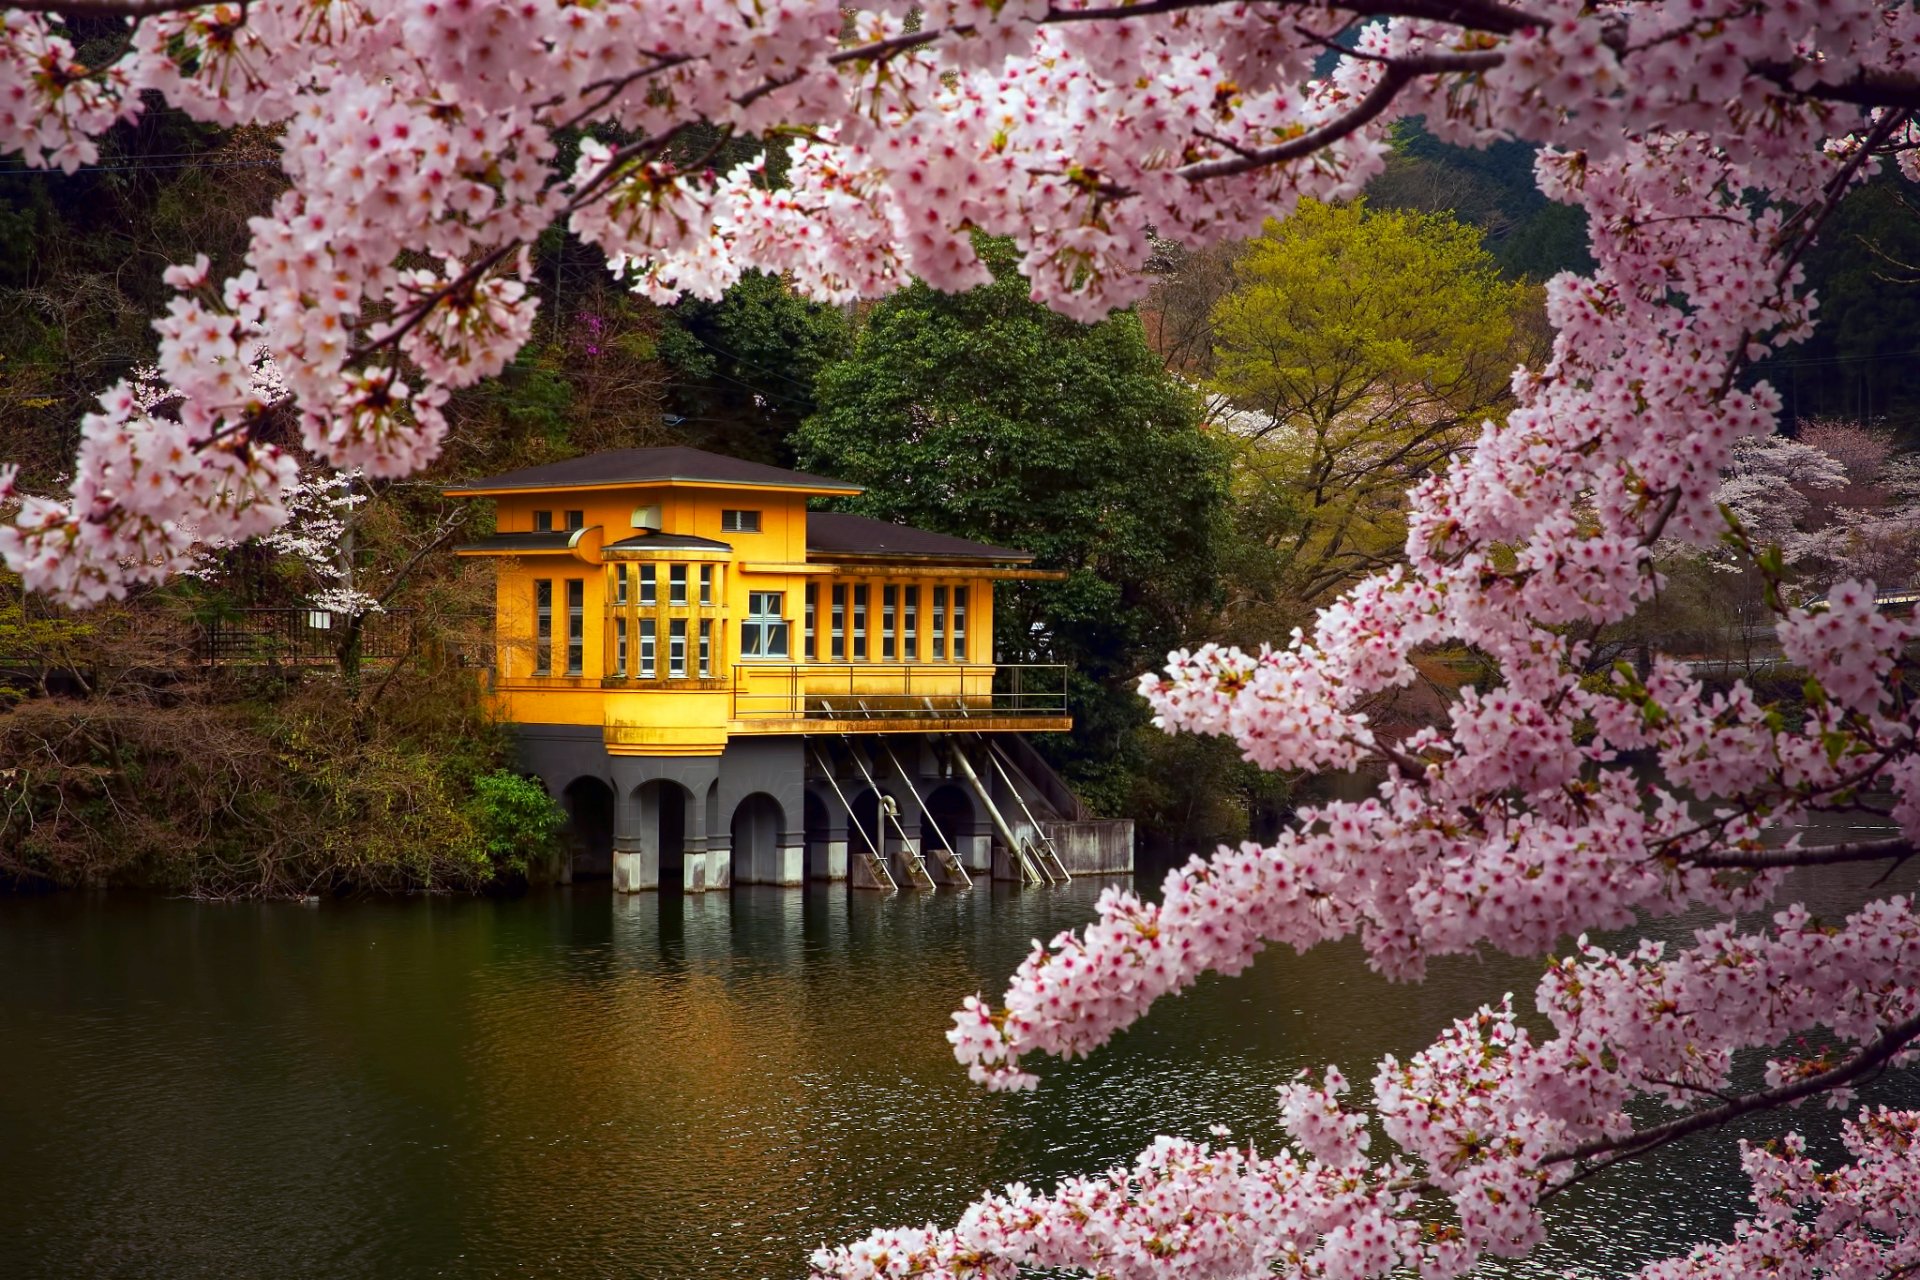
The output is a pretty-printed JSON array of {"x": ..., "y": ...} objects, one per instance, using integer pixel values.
[{"x": 573, "y": 1084}]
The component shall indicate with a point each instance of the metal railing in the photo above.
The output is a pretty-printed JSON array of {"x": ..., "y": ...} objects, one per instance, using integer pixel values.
[
  {"x": 897, "y": 690},
  {"x": 301, "y": 635}
]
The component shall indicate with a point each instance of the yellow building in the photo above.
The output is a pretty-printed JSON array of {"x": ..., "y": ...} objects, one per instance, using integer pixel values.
[{"x": 725, "y": 686}]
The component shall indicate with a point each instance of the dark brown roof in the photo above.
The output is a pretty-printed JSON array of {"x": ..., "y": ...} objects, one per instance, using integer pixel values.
[
  {"x": 652, "y": 466},
  {"x": 644, "y": 541},
  {"x": 834, "y": 534},
  {"x": 542, "y": 540}
]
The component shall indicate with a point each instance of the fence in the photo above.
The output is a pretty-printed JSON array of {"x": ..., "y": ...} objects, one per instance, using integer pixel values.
[{"x": 262, "y": 636}]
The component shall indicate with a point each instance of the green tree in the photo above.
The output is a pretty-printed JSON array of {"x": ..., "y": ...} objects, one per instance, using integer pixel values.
[
  {"x": 1355, "y": 352},
  {"x": 744, "y": 367},
  {"x": 988, "y": 416}
]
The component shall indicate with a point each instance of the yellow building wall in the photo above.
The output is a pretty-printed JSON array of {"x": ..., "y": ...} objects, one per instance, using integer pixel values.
[{"x": 695, "y": 716}]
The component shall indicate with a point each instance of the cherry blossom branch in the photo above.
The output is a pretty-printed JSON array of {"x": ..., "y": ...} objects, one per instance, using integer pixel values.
[
  {"x": 1898, "y": 848},
  {"x": 1400, "y": 73},
  {"x": 1865, "y": 87},
  {"x": 1887, "y": 1046}
]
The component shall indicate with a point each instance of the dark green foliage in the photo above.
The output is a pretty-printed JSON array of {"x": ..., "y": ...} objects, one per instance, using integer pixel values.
[
  {"x": 988, "y": 416},
  {"x": 1530, "y": 236},
  {"x": 744, "y": 367},
  {"x": 514, "y": 819},
  {"x": 1863, "y": 362}
]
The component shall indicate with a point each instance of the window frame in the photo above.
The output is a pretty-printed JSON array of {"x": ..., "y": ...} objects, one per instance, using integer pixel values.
[
  {"x": 543, "y": 626},
  {"x": 957, "y": 624},
  {"x": 677, "y": 585},
  {"x": 889, "y": 615},
  {"x": 677, "y": 649},
  {"x": 649, "y": 649},
  {"x": 576, "y": 626},
  {"x": 763, "y": 625},
  {"x": 740, "y": 520}
]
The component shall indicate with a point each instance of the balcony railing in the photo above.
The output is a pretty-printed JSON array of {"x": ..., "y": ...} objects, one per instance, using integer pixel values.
[{"x": 897, "y": 691}]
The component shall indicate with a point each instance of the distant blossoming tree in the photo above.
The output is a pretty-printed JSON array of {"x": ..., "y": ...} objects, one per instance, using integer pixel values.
[{"x": 1707, "y": 142}]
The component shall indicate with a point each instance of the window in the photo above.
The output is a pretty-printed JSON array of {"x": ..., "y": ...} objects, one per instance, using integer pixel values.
[
  {"x": 740, "y": 521},
  {"x": 763, "y": 632},
  {"x": 839, "y": 628},
  {"x": 706, "y": 647},
  {"x": 543, "y": 626},
  {"x": 620, "y": 645},
  {"x": 813, "y": 610},
  {"x": 909, "y": 622},
  {"x": 889, "y": 607},
  {"x": 677, "y": 649},
  {"x": 959, "y": 624},
  {"x": 543, "y": 522},
  {"x": 647, "y": 596},
  {"x": 706, "y": 584},
  {"x": 646, "y": 648},
  {"x": 677, "y": 584},
  {"x": 576, "y": 520},
  {"x": 620, "y": 584},
  {"x": 860, "y": 623},
  {"x": 939, "y": 623},
  {"x": 576, "y": 625}
]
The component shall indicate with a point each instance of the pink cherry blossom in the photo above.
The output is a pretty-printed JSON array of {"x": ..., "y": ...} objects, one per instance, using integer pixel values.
[{"x": 1704, "y": 140}]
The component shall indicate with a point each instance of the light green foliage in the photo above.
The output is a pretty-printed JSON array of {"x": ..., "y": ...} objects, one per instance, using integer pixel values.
[
  {"x": 1354, "y": 353},
  {"x": 988, "y": 416}
]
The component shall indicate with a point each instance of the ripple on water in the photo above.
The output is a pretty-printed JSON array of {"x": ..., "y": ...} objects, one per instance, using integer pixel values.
[{"x": 573, "y": 1084}]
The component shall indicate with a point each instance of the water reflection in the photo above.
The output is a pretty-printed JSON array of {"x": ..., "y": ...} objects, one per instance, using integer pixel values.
[{"x": 574, "y": 1084}]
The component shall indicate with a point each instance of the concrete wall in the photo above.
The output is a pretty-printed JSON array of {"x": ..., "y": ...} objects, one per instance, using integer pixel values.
[
  {"x": 1096, "y": 847},
  {"x": 741, "y": 816}
]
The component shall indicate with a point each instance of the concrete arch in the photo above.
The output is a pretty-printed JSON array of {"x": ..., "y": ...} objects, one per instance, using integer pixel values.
[
  {"x": 590, "y": 815},
  {"x": 817, "y": 829},
  {"x": 957, "y": 813},
  {"x": 864, "y": 829},
  {"x": 763, "y": 843},
  {"x": 666, "y": 824}
]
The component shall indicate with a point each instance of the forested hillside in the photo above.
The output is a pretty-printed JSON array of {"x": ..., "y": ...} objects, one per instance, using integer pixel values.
[{"x": 1144, "y": 456}]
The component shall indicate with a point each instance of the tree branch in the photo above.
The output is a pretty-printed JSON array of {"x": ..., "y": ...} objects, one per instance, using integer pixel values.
[
  {"x": 1884, "y": 1049},
  {"x": 1399, "y": 73},
  {"x": 1866, "y": 88},
  {"x": 1898, "y": 848}
]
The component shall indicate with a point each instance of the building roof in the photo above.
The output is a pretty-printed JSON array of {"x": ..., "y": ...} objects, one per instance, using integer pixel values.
[
  {"x": 617, "y": 468},
  {"x": 836, "y": 535},
  {"x": 664, "y": 541},
  {"x": 509, "y": 543}
]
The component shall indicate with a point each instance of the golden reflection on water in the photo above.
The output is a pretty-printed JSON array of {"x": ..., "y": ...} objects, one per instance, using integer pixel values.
[{"x": 697, "y": 1088}]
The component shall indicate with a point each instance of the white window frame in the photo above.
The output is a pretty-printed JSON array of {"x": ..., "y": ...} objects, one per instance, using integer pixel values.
[
  {"x": 647, "y": 647},
  {"x": 763, "y": 632},
  {"x": 677, "y": 649}
]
